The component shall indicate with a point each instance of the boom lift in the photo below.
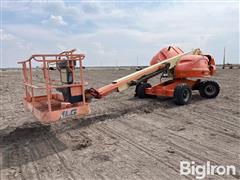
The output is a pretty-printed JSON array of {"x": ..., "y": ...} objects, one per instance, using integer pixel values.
[{"x": 72, "y": 98}]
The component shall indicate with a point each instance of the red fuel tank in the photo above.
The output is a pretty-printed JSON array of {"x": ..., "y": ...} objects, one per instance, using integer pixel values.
[{"x": 165, "y": 53}]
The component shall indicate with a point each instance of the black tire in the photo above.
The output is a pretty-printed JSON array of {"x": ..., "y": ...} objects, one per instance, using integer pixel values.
[
  {"x": 140, "y": 90},
  {"x": 209, "y": 89},
  {"x": 182, "y": 94}
]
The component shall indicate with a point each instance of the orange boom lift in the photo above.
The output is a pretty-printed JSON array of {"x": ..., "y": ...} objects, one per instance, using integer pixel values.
[{"x": 70, "y": 97}]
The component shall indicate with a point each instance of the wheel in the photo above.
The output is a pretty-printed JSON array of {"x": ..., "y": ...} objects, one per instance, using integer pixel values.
[
  {"x": 140, "y": 90},
  {"x": 209, "y": 89},
  {"x": 182, "y": 94}
]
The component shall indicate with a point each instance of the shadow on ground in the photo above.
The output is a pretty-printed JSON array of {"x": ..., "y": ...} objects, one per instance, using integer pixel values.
[{"x": 28, "y": 144}]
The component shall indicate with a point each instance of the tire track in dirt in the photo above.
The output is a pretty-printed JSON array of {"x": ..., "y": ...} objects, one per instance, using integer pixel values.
[
  {"x": 18, "y": 156},
  {"x": 23, "y": 132},
  {"x": 91, "y": 119},
  {"x": 123, "y": 157},
  {"x": 220, "y": 128},
  {"x": 122, "y": 161},
  {"x": 30, "y": 166},
  {"x": 214, "y": 160},
  {"x": 148, "y": 151},
  {"x": 203, "y": 127},
  {"x": 107, "y": 132},
  {"x": 136, "y": 110},
  {"x": 218, "y": 116},
  {"x": 179, "y": 144},
  {"x": 119, "y": 116},
  {"x": 1, "y": 160},
  {"x": 120, "y": 103},
  {"x": 177, "y": 141},
  {"x": 206, "y": 123},
  {"x": 67, "y": 170},
  {"x": 34, "y": 153},
  {"x": 28, "y": 160},
  {"x": 149, "y": 107},
  {"x": 209, "y": 146},
  {"x": 158, "y": 133},
  {"x": 77, "y": 168},
  {"x": 129, "y": 104},
  {"x": 181, "y": 151}
]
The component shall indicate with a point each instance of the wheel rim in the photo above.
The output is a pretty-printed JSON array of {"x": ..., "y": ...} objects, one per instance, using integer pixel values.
[
  {"x": 210, "y": 90},
  {"x": 186, "y": 95}
]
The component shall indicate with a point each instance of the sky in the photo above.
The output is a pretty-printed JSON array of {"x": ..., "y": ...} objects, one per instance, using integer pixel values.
[{"x": 122, "y": 33}]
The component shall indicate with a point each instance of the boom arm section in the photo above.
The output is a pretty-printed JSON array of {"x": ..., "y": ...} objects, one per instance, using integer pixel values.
[{"x": 136, "y": 77}]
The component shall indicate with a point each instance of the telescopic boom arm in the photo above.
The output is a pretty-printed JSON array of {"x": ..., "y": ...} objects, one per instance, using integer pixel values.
[{"x": 137, "y": 77}]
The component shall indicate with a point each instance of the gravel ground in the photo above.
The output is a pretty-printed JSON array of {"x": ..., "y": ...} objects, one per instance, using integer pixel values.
[{"x": 123, "y": 137}]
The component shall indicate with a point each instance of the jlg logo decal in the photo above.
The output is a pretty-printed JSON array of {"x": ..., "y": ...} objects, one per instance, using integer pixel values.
[{"x": 68, "y": 113}]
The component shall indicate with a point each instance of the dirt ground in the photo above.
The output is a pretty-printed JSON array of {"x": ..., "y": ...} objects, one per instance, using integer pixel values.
[{"x": 124, "y": 137}]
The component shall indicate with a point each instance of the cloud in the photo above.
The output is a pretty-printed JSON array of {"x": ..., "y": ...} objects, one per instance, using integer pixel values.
[
  {"x": 110, "y": 32},
  {"x": 5, "y": 36},
  {"x": 55, "y": 20},
  {"x": 11, "y": 39}
]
